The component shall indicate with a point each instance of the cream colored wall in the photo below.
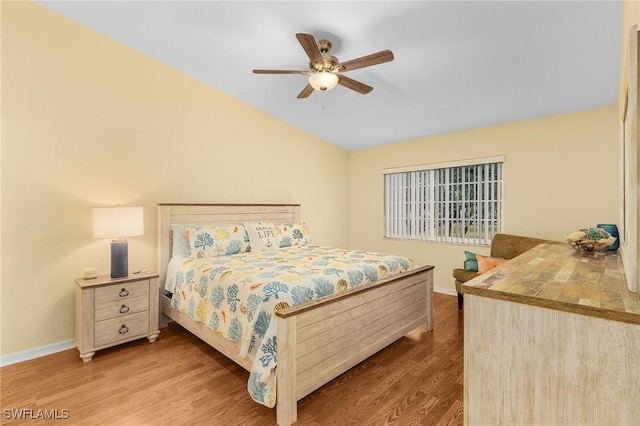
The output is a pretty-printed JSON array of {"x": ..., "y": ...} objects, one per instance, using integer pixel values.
[
  {"x": 560, "y": 174},
  {"x": 87, "y": 122}
]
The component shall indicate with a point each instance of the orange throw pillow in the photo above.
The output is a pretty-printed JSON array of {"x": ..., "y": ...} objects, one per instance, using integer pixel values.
[{"x": 488, "y": 263}]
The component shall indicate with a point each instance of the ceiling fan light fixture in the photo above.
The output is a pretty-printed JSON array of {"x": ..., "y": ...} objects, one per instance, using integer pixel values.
[{"x": 323, "y": 81}]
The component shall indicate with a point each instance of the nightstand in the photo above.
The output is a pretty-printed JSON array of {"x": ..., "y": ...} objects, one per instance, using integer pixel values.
[{"x": 111, "y": 311}]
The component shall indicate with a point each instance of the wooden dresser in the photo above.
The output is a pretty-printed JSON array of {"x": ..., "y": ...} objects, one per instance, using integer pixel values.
[
  {"x": 552, "y": 337},
  {"x": 111, "y": 311}
]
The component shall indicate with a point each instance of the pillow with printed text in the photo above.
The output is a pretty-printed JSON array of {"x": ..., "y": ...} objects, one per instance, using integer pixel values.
[{"x": 268, "y": 236}]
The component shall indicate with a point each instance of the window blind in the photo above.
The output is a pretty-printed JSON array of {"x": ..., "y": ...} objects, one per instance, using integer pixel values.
[{"x": 459, "y": 204}]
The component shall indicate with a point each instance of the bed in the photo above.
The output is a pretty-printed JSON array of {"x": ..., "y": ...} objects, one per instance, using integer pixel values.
[{"x": 378, "y": 312}]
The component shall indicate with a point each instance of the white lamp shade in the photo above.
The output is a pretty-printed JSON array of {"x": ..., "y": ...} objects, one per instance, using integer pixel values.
[
  {"x": 323, "y": 81},
  {"x": 117, "y": 222}
]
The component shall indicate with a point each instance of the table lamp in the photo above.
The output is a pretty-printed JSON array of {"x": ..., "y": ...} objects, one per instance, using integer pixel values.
[{"x": 118, "y": 223}]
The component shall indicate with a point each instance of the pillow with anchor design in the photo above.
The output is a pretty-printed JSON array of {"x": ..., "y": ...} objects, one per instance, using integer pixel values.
[
  {"x": 262, "y": 236},
  {"x": 269, "y": 236}
]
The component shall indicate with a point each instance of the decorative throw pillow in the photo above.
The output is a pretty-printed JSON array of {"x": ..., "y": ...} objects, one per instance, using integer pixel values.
[
  {"x": 263, "y": 236},
  {"x": 267, "y": 236},
  {"x": 471, "y": 263},
  {"x": 488, "y": 263},
  {"x": 214, "y": 241}
]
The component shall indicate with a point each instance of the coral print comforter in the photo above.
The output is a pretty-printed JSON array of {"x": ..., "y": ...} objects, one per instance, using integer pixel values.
[{"x": 238, "y": 295}]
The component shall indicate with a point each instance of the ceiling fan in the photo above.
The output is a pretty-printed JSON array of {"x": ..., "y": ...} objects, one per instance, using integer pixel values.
[{"x": 325, "y": 71}]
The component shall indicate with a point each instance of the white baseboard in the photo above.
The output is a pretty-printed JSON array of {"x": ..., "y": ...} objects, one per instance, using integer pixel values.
[
  {"x": 444, "y": 290},
  {"x": 38, "y": 352}
]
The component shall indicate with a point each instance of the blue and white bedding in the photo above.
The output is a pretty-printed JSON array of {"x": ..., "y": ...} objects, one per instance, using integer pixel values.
[{"x": 238, "y": 295}]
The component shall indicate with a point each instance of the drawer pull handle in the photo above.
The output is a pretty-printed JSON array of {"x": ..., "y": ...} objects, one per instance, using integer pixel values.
[
  {"x": 123, "y": 329},
  {"x": 124, "y": 309},
  {"x": 123, "y": 293}
]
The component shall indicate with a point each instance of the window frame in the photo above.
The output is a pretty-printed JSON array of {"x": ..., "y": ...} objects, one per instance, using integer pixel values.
[{"x": 420, "y": 202}]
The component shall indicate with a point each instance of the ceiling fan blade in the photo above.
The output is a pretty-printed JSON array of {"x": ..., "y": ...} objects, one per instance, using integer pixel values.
[
  {"x": 305, "y": 92},
  {"x": 354, "y": 85},
  {"x": 310, "y": 47},
  {"x": 366, "y": 61},
  {"x": 280, "y": 72}
]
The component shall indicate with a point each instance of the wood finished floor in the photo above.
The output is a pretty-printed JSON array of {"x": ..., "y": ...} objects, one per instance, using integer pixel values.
[{"x": 179, "y": 380}]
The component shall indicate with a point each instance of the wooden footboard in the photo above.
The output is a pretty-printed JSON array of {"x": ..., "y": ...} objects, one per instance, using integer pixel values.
[
  {"x": 322, "y": 339},
  {"x": 318, "y": 340}
]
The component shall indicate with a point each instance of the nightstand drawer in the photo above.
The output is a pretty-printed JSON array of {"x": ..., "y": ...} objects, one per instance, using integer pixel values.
[
  {"x": 122, "y": 291},
  {"x": 120, "y": 308},
  {"x": 113, "y": 330}
]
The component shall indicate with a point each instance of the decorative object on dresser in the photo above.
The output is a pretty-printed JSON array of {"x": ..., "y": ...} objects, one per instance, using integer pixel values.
[
  {"x": 316, "y": 339},
  {"x": 590, "y": 240},
  {"x": 504, "y": 246},
  {"x": 114, "y": 311},
  {"x": 118, "y": 223},
  {"x": 612, "y": 229}
]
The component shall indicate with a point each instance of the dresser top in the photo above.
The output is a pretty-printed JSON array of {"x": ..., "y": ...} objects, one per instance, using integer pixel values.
[
  {"x": 557, "y": 277},
  {"x": 107, "y": 280}
]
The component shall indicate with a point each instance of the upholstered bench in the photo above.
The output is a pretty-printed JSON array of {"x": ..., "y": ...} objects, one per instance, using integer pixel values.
[{"x": 502, "y": 246}]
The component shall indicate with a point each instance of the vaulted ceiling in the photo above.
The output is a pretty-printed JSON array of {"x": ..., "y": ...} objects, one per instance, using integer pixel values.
[{"x": 458, "y": 65}]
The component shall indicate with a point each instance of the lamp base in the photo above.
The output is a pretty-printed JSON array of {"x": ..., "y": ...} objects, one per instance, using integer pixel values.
[{"x": 119, "y": 258}]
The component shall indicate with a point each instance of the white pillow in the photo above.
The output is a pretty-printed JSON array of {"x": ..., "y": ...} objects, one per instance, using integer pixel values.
[
  {"x": 180, "y": 241},
  {"x": 262, "y": 236}
]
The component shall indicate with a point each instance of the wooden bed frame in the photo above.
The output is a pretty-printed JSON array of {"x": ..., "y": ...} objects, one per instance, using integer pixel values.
[{"x": 318, "y": 340}]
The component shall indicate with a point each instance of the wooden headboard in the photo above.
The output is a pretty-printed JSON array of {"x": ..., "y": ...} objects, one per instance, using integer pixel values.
[{"x": 214, "y": 214}]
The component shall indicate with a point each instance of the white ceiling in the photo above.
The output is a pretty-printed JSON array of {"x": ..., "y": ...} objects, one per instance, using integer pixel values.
[{"x": 458, "y": 65}]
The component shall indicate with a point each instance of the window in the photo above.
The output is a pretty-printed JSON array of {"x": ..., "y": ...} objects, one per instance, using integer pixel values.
[{"x": 458, "y": 203}]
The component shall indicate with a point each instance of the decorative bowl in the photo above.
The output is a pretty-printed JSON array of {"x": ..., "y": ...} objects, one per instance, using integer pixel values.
[{"x": 590, "y": 240}]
